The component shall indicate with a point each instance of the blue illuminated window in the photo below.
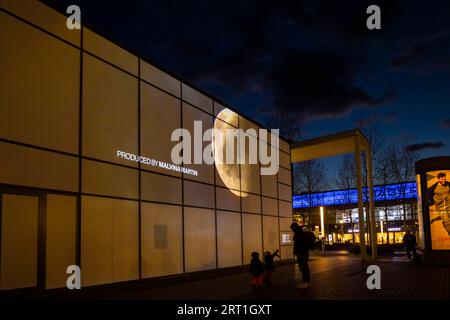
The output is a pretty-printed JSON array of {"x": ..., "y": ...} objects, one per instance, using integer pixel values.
[{"x": 389, "y": 192}]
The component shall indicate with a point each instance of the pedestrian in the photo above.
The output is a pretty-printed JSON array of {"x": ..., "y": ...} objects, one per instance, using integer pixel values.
[
  {"x": 301, "y": 251},
  {"x": 409, "y": 241},
  {"x": 269, "y": 266},
  {"x": 256, "y": 270}
]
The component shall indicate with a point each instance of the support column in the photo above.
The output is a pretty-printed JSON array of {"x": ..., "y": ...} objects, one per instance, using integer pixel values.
[
  {"x": 373, "y": 227},
  {"x": 362, "y": 236}
]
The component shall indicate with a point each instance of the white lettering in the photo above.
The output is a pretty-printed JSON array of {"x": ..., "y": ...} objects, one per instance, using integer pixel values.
[{"x": 153, "y": 162}]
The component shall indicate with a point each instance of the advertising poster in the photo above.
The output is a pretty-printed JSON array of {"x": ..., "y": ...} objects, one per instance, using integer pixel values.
[
  {"x": 419, "y": 213},
  {"x": 438, "y": 197}
]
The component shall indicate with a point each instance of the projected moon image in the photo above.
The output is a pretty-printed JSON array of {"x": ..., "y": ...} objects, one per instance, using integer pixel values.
[{"x": 229, "y": 173}]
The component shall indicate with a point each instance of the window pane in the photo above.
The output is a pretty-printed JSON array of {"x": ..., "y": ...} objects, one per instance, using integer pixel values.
[
  {"x": 106, "y": 179},
  {"x": 60, "y": 238},
  {"x": 199, "y": 232},
  {"x": 25, "y": 166},
  {"x": 39, "y": 87},
  {"x": 110, "y": 105},
  {"x": 160, "y": 188},
  {"x": 19, "y": 242},
  {"x": 162, "y": 240},
  {"x": 252, "y": 233},
  {"x": 160, "y": 116},
  {"x": 229, "y": 239}
]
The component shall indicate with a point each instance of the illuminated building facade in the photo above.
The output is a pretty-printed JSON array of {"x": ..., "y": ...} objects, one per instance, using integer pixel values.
[
  {"x": 86, "y": 174},
  {"x": 395, "y": 208}
]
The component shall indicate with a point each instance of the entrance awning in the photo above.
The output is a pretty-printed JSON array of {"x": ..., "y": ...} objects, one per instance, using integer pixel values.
[{"x": 352, "y": 141}]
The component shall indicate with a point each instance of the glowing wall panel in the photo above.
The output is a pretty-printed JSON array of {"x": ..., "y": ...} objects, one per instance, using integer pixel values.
[
  {"x": 60, "y": 240},
  {"x": 160, "y": 116},
  {"x": 31, "y": 167},
  {"x": 109, "y": 240},
  {"x": 269, "y": 206},
  {"x": 19, "y": 242},
  {"x": 252, "y": 235},
  {"x": 39, "y": 87},
  {"x": 109, "y": 180},
  {"x": 110, "y": 111},
  {"x": 160, "y": 188},
  {"x": 160, "y": 79},
  {"x": 226, "y": 200},
  {"x": 199, "y": 239},
  {"x": 229, "y": 239},
  {"x": 270, "y": 233},
  {"x": 162, "y": 240}
]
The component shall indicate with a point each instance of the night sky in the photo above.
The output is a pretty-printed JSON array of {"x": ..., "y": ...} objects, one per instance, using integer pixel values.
[{"x": 314, "y": 60}]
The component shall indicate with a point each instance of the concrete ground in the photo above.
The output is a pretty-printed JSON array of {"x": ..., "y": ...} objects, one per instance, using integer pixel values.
[{"x": 336, "y": 276}]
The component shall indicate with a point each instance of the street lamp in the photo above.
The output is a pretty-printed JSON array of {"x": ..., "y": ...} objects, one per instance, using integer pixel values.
[{"x": 322, "y": 228}]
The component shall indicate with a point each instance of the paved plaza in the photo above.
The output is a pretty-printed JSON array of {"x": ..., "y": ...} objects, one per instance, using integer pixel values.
[{"x": 336, "y": 276}]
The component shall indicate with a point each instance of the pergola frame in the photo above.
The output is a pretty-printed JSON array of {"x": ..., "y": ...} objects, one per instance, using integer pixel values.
[{"x": 346, "y": 142}]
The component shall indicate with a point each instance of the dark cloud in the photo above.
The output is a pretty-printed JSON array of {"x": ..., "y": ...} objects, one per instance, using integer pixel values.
[
  {"x": 391, "y": 117},
  {"x": 308, "y": 57},
  {"x": 318, "y": 83},
  {"x": 424, "y": 53},
  {"x": 446, "y": 123},
  {"x": 349, "y": 21},
  {"x": 378, "y": 118},
  {"x": 423, "y": 146}
]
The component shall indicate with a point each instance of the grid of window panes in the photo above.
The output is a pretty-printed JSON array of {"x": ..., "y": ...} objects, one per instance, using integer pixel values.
[
  {"x": 87, "y": 99},
  {"x": 390, "y": 192}
]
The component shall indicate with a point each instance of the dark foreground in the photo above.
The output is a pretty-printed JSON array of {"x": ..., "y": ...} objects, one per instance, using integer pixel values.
[{"x": 336, "y": 276}]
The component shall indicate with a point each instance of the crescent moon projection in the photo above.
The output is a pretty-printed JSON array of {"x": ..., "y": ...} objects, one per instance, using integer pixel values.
[{"x": 229, "y": 173}]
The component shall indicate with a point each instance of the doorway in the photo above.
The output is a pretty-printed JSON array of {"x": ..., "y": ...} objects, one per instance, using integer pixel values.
[{"x": 38, "y": 238}]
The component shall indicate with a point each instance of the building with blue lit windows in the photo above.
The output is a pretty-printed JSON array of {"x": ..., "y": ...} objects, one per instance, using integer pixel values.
[{"x": 395, "y": 212}]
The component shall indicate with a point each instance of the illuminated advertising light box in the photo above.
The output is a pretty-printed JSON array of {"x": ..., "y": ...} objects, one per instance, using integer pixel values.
[
  {"x": 438, "y": 202},
  {"x": 433, "y": 197},
  {"x": 286, "y": 238}
]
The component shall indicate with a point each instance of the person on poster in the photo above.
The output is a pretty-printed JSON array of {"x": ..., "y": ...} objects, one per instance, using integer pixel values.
[{"x": 439, "y": 196}]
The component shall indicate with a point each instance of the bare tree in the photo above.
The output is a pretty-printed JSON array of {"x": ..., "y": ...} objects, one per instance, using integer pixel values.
[
  {"x": 401, "y": 162},
  {"x": 373, "y": 133},
  {"x": 346, "y": 181},
  {"x": 309, "y": 178},
  {"x": 290, "y": 128},
  {"x": 377, "y": 141},
  {"x": 385, "y": 176}
]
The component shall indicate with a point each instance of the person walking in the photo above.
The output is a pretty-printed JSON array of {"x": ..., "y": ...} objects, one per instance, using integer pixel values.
[
  {"x": 409, "y": 241},
  {"x": 301, "y": 251}
]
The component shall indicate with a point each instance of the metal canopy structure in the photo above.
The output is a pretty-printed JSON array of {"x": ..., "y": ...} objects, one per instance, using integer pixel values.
[{"x": 352, "y": 141}]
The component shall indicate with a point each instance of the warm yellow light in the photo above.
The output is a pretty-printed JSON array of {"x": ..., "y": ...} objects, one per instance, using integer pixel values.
[{"x": 322, "y": 227}]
